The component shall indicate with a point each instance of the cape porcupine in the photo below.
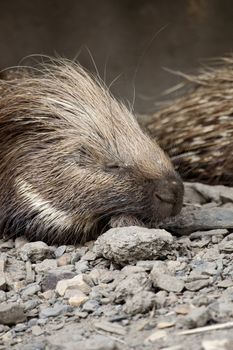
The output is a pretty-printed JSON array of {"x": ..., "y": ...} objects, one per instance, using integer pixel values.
[
  {"x": 196, "y": 129},
  {"x": 74, "y": 159}
]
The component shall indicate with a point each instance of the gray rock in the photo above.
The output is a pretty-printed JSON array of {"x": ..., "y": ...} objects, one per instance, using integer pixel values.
[
  {"x": 75, "y": 257},
  {"x": 53, "y": 311},
  {"x": 8, "y": 337},
  {"x": 36, "y": 345},
  {"x": 210, "y": 233},
  {"x": 90, "y": 306},
  {"x": 140, "y": 303},
  {"x": 99, "y": 275},
  {"x": 129, "y": 244},
  {"x": 197, "y": 285},
  {"x": 78, "y": 298},
  {"x": 218, "y": 194},
  {"x": 32, "y": 322},
  {"x": 226, "y": 245},
  {"x": 77, "y": 282},
  {"x": 99, "y": 342},
  {"x": 36, "y": 330},
  {"x": 31, "y": 304},
  {"x": 226, "y": 283},
  {"x": 147, "y": 265},
  {"x": 198, "y": 317},
  {"x": 15, "y": 273},
  {"x": 60, "y": 251},
  {"x": 30, "y": 273},
  {"x": 210, "y": 254},
  {"x": 72, "y": 340},
  {"x": 110, "y": 327},
  {"x": 199, "y": 219},
  {"x": 80, "y": 251},
  {"x": 107, "y": 276},
  {"x": 166, "y": 282},
  {"x": 2, "y": 296},
  {"x": 131, "y": 285},
  {"x": 4, "y": 328},
  {"x": 204, "y": 242},
  {"x": 80, "y": 314},
  {"x": 11, "y": 313},
  {"x": 35, "y": 251},
  {"x": 129, "y": 270},
  {"x": 42, "y": 321},
  {"x": 50, "y": 279},
  {"x": 64, "y": 260},
  {"x": 46, "y": 265},
  {"x": 204, "y": 268},
  {"x": 20, "y": 327},
  {"x": 31, "y": 289},
  {"x": 191, "y": 195},
  {"x": 217, "y": 344},
  {"x": 89, "y": 256},
  {"x": 82, "y": 266},
  {"x": 221, "y": 309},
  {"x": 159, "y": 267},
  {"x": 161, "y": 299}
]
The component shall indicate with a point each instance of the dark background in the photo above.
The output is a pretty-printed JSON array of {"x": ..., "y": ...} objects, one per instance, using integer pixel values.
[{"x": 121, "y": 36}]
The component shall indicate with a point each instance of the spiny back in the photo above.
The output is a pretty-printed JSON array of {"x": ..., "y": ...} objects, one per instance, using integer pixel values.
[
  {"x": 196, "y": 129},
  {"x": 62, "y": 101}
]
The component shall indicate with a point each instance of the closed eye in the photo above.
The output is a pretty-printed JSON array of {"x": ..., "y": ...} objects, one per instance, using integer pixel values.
[{"x": 112, "y": 167}]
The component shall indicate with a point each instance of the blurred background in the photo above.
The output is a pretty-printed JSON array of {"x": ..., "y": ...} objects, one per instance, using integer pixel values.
[{"x": 135, "y": 39}]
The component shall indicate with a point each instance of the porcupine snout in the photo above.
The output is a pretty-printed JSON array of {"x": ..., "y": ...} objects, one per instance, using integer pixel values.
[{"x": 167, "y": 198}]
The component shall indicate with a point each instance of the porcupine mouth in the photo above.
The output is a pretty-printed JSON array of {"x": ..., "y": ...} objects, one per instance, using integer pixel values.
[{"x": 167, "y": 207}]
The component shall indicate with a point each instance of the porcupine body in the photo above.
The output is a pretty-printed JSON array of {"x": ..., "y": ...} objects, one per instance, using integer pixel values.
[
  {"x": 74, "y": 161},
  {"x": 196, "y": 129}
]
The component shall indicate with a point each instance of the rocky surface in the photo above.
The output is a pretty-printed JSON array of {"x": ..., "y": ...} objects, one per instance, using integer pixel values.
[{"x": 134, "y": 288}]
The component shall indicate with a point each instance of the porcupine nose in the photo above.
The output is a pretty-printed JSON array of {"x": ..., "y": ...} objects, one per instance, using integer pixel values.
[{"x": 169, "y": 192}]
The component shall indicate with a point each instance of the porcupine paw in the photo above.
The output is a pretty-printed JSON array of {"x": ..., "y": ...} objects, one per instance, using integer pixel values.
[{"x": 125, "y": 220}]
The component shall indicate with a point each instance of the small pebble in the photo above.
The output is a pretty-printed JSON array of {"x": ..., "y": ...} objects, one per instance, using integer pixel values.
[
  {"x": 217, "y": 344},
  {"x": 53, "y": 311},
  {"x": 110, "y": 327},
  {"x": 64, "y": 260},
  {"x": 60, "y": 251},
  {"x": 183, "y": 309},
  {"x": 11, "y": 313},
  {"x": 35, "y": 251},
  {"x": 76, "y": 282},
  {"x": 155, "y": 336},
  {"x": 90, "y": 306},
  {"x": 78, "y": 299},
  {"x": 197, "y": 317},
  {"x": 166, "y": 282},
  {"x": 197, "y": 285},
  {"x": 36, "y": 330}
]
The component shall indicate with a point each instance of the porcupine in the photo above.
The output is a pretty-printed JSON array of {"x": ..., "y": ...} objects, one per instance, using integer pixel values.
[
  {"x": 196, "y": 129},
  {"x": 74, "y": 160}
]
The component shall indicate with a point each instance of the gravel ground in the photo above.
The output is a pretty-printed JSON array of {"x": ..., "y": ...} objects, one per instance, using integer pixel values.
[{"x": 133, "y": 288}]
